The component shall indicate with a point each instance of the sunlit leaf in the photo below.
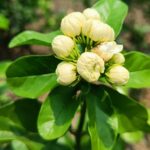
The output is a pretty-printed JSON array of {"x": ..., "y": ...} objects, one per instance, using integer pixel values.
[
  {"x": 131, "y": 115},
  {"x": 102, "y": 134},
  {"x": 33, "y": 38},
  {"x": 113, "y": 12},
  {"x": 57, "y": 112},
  {"x": 139, "y": 66},
  {"x": 32, "y": 76}
]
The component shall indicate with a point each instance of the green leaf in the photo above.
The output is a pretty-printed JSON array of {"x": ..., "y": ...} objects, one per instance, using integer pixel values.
[
  {"x": 113, "y": 13},
  {"x": 17, "y": 144},
  {"x": 102, "y": 135},
  {"x": 3, "y": 67},
  {"x": 31, "y": 143},
  {"x": 57, "y": 112},
  {"x": 133, "y": 137},
  {"x": 120, "y": 145},
  {"x": 10, "y": 131},
  {"x": 33, "y": 38},
  {"x": 16, "y": 111},
  {"x": 4, "y": 22},
  {"x": 139, "y": 66},
  {"x": 110, "y": 113},
  {"x": 139, "y": 79},
  {"x": 136, "y": 61},
  {"x": 18, "y": 117},
  {"x": 56, "y": 146},
  {"x": 130, "y": 115},
  {"x": 18, "y": 126},
  {"x": 148, "y": 111},
  {"x": 32, "y": 76},
  {"x": 4, "y": 98}
]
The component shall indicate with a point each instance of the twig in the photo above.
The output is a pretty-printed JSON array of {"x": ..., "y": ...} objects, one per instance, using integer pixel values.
[{"x": 78, "y": 134}]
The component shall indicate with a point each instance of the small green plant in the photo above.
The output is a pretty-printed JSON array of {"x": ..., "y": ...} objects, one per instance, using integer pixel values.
[{"x": 82, "y": 82}]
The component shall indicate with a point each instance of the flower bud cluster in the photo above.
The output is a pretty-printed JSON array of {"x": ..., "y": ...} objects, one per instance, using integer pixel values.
[{"x": 88, "y": 50}]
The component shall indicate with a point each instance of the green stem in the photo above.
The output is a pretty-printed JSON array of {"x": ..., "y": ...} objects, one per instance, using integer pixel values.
[{"x": 80, "y": 127}]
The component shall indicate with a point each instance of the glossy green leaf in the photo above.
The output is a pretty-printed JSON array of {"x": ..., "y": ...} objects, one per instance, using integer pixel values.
[
  {"x": 57, "y": 112},
  {"x": 31, "y": 143},
  {"x": 112, "y": 12},
  {"x": 120, "y": 145},
  {"x": 102, "y": 135},
  {"x": 4, "y": 98},
  {"x": 18, "y": 125},
  {"x": 130, "y": 115},
  {"x": 137, "y": 61},
  {"x": 16, "y": 111},
  {"x": 16, "y": 144},
  {"x": 139, "y": 66},
  {"x": 10, "y": 131},
  {"x": 139, "y": 79},
  {"x": 17, "y": 121},
  {"x": 109, "y": 110},
  {"x": 133, "y": 137},
  {"x": 33, "y": 38},
  {"x": 32, "y": 76},
  {"x": 56, "y": 146},
  {"x": 3, "y": 67}
]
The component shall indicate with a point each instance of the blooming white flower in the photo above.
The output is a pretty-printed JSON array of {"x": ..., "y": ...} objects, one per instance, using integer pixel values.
[
  {"x": 91, "y": 13},
  {"x": 106, "y": 50},
  {"x": 98, "y": 31},
  {"x": 71, "y": 25},
  {"x": 117, "y": 75},
  {"x": 62, "y": 45},
  {"x": 90, "y": 66},
  {"x": 117, "y": 59},
  {"x": 66, "y": 73}
]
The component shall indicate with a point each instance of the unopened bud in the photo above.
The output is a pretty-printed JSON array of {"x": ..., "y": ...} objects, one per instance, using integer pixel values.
[
  {"x": 117, "y": 59},
  {"x": 106, "y": 50},
  {"x": 117, "y": 75},
  {"x": 98, "y": 31},
  {"x": 91, "y": 13},
  {"x": 71, "y": 24},
  {"x": 90, "y": 66},
  {"x": 62, "y": 45},
  {"x": 66, "y": 73}
]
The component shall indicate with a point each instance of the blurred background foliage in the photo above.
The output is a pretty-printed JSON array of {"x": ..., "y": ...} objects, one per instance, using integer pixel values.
[{"x": 45, "y": 16}]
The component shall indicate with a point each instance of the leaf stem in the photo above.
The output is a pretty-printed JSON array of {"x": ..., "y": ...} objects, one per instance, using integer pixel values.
[{"x": 80, "y": 127}]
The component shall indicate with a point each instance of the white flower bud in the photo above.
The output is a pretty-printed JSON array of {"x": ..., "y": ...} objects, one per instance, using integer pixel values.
[
  {"x": 98, "y": 31},
  {"x": 71, "y": 25},
  {"x": 90, "y": 66},
  {"x": 117, "y": 59},
  {"x": 107, "y": 49},
  {"x": 91, "y": 13},
  {"x": 62, "y": 45},
  {"x": 66, "y": 73},
  {"x": 117, "y": 75}
]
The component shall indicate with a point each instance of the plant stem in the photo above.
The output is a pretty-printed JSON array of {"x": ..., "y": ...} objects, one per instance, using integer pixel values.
[{"x": 80, "y": 127}]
